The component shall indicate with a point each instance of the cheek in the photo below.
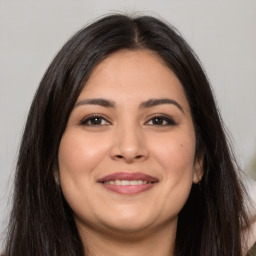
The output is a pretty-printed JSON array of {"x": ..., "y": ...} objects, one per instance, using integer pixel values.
[
  {"x": 79, "y": 154},
  {"x": 175, "y": 154}
]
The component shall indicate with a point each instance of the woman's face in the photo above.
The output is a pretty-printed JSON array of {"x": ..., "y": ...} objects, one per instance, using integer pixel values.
[{"x": 127, "y": 156}]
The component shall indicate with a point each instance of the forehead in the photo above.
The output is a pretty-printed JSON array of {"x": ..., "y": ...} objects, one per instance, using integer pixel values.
[{"x": 129, "y": 75}]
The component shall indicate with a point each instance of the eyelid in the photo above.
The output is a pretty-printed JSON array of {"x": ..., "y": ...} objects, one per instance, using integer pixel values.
[
  {"x": 91, "y": 116},
  {"x": 170, "y": 120}
]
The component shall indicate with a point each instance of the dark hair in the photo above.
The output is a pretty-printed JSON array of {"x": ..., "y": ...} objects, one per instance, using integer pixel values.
[{"x": 41, "y": 222}]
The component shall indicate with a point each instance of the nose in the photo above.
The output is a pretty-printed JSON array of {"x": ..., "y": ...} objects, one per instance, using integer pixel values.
[{"x": 129, "y": 145}]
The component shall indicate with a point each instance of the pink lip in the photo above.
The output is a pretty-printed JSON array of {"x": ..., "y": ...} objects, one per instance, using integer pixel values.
[{"x": 128, "y": 189}]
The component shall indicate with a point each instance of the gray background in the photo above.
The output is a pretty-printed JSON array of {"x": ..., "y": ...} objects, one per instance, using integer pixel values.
[{"x": 223, "y": 34}]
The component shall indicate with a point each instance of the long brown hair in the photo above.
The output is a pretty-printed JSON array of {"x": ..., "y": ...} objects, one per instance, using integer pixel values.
[{"x": 41, "y": 222}]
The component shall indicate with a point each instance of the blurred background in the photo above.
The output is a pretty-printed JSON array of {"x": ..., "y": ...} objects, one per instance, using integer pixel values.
[{"x": 222, "y": 33}]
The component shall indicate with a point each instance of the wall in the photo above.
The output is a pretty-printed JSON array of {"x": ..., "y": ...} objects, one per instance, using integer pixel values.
[{"x": 223, "y": 33}]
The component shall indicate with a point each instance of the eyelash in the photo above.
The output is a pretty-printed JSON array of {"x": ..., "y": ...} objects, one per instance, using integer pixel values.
[
  {"x": 162, "y": 118},
  {"x": 168, "y": 121},
  {"x": 85, "y": 121}
]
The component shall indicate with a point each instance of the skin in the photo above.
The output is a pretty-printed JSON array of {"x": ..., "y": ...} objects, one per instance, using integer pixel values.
[
  {"x": 128, "y": 138},
  {"x": 250, "y": 233}
]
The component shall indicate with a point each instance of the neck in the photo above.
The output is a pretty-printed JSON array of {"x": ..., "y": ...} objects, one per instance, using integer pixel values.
[{"x": 150, "y": 242}]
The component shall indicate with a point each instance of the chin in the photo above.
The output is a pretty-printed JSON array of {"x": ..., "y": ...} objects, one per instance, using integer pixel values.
[
  {"x": 131, "y": 223},
  {"x": 128, "y": 228}
]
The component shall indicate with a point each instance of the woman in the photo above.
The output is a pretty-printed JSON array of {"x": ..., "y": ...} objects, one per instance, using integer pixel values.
[{"x": 124, "y": 152}]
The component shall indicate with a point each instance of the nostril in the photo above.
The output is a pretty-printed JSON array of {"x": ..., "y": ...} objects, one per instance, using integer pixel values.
[{"x": 119, "y": 156}]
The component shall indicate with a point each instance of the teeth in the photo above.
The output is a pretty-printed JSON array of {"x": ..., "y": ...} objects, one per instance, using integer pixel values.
[{"x": 125, "y": 182}]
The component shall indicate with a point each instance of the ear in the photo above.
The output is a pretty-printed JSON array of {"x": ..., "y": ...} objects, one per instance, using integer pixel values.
[
  {"x": 56, "y": 174},
  {"x": 56, "y": 177},
  {"x": 198, "y": 170}
]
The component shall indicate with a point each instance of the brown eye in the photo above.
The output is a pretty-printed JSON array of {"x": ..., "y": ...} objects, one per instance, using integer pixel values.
[
  {"x": 161, "y": 121},
  {"x": 94, "y": 121}
]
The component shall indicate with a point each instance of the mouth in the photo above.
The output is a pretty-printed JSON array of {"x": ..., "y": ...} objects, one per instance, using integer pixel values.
[{"x": 125, "y": 183}]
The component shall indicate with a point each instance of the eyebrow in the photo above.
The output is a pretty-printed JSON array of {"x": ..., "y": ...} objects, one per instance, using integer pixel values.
[
  {"x": 146, "y": 104},
  {"x": 101, "y": 102},
  {"x": 155, "y": 102}
]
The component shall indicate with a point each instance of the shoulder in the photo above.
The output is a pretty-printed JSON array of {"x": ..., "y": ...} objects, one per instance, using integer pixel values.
[
  {"x": 250, "y": 233},
  {"x": 252, "y": 251}
]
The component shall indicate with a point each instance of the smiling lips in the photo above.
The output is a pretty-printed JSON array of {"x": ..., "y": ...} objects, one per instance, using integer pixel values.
[{"x": 128, "y": 183}]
